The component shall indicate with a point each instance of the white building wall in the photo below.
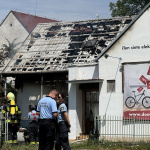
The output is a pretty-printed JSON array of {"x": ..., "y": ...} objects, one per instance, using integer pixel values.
[
  {"x": 75, "y": 110},
  {"x": 108, "y": 102},
  {"x": 79, "y": 110},
  {"x": 83, "y": 72},
  {"x": 133, "y": 46},
  {"x": 75, "y": 96},
  {"x": 13, "y": 31},
  {"x": 72, "y": 110}
]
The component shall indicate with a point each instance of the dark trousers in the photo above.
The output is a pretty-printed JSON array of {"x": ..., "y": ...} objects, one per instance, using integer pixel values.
[
  {"x": 12, "y": 132},
  {"x": 62, "y": 137},
  {"x": 33, "y": 131},
  {"x": 46, "y": 134}
]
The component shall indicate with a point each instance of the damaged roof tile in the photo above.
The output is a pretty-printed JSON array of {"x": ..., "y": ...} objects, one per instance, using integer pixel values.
[{"x": 55, "y": 46}]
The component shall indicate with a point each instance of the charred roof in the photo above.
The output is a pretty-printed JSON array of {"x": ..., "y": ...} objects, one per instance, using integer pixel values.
[{"x": 55, "y": 46}]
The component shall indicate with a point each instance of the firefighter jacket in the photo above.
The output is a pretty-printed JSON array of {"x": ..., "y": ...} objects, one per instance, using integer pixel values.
[{"x": 12, "y": 118}]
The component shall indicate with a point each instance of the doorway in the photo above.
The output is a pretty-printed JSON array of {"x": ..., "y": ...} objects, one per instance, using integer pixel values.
[{"x": 90, "y": 109}]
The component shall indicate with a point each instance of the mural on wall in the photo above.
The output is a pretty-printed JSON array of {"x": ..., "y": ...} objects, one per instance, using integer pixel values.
[{"x": 137, "y": 91}]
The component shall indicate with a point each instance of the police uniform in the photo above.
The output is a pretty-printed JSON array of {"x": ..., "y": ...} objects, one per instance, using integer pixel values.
[
  {"x": 13, "y": 122},
  {"x": 46, "y": 106},
  {"x": 62, "y": 129},
  {"x": 33, "y": 127}
]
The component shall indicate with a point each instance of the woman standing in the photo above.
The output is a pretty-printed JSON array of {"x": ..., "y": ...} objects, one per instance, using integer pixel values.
[{"x": 63, "y": 125}]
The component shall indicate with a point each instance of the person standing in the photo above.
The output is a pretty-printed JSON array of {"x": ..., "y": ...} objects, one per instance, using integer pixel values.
[
  {"x": 47, "y": 109},
  {"x": 14, "y": 117},
  {"x": 63, "y": 125},
  {"x": 33, "y": 126}
]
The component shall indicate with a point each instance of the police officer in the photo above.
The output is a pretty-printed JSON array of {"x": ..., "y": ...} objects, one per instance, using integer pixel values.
[
  {"x": 33, "y": 126},
  {"x": 47, "y": 109},
  {"x": 14, "y": 117},
  {"x": 63, "y": 125}
]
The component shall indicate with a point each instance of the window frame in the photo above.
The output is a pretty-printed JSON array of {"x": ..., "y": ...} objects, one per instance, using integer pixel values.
[{"x": 111, "y": 86}]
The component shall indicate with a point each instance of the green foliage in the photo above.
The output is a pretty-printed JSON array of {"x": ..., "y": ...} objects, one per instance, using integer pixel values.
[
  {"x": 6, "y": 49},
  {"x": 127, "y": 7}
]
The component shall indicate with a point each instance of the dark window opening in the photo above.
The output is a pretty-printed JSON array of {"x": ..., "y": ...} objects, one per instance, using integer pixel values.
[{"x": 110, "y": 86}]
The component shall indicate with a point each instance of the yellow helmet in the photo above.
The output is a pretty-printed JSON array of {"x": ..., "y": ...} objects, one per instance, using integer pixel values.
[{"x": 10, "y": 96}]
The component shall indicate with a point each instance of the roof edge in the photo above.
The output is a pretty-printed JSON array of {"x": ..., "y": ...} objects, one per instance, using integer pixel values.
[
  {"x": 20, "y": 21},
  {"x": 122, "y": 32},
  {"x": 5, "y": 17}
]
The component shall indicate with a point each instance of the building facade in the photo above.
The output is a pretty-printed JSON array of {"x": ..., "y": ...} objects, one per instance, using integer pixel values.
[
  {"x": 121, "y": 72},
  {"x": 14, "y": 30},
  {"x": 90, "y": 61}
]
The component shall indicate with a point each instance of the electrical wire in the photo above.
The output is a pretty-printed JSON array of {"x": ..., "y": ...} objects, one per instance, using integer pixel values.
[{"x": 114, "y": 83}]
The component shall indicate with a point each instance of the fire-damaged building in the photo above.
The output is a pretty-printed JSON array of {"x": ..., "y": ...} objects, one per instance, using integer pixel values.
[
  {"x": 69, "y": 56},
  {"x": 14, "y": 29}
]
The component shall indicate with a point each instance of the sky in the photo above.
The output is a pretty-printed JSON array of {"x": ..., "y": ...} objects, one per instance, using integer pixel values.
[{"x": 61, "y": 10}]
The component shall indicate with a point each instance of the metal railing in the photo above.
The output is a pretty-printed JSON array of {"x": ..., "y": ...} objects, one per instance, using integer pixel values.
[
  {"x": 115, "y": 128},
  {"x": 3, "y": 129}
]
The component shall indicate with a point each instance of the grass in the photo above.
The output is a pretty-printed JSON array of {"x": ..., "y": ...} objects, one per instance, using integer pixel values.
[
  {"x": 107, "y": 145},
  {"x": 90, "y": 144},
  {"x": 20, "y": 146}
]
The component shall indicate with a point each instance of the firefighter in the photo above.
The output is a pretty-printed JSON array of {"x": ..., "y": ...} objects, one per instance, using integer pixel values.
[
  {"x": 14, "y": 117},
  {"x": 33, "y": 126}
]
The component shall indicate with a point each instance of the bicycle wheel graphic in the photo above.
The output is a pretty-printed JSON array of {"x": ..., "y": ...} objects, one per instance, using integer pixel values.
[
  {"x": 146, "y": 102},
  {"x": 130, "y": 102}
]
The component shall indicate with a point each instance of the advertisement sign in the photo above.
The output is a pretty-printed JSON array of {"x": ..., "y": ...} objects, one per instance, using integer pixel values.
[{"x": 137, "y": 91}]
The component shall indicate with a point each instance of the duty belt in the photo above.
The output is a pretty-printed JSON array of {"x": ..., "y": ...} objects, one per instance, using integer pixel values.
[
  {"x": 46, "y": 119},
  {"x": 62, "y": 122}
]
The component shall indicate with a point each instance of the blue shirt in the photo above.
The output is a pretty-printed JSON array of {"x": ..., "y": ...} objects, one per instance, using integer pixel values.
[
  {"x": 32, "y": 117},
  {"x": 46, "y": 107},
  {"x": 61, "y": 110}
]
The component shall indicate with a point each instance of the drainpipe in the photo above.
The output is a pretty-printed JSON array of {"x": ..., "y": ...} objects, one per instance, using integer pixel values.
[
  {"x": 5, "y": 87},
  {"x": 41, "y": 86}
]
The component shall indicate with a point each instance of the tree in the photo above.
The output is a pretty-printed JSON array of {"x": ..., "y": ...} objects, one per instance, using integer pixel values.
[
  {"x": 127, "y": 7},
  {"x": 5, "y": 50}
]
